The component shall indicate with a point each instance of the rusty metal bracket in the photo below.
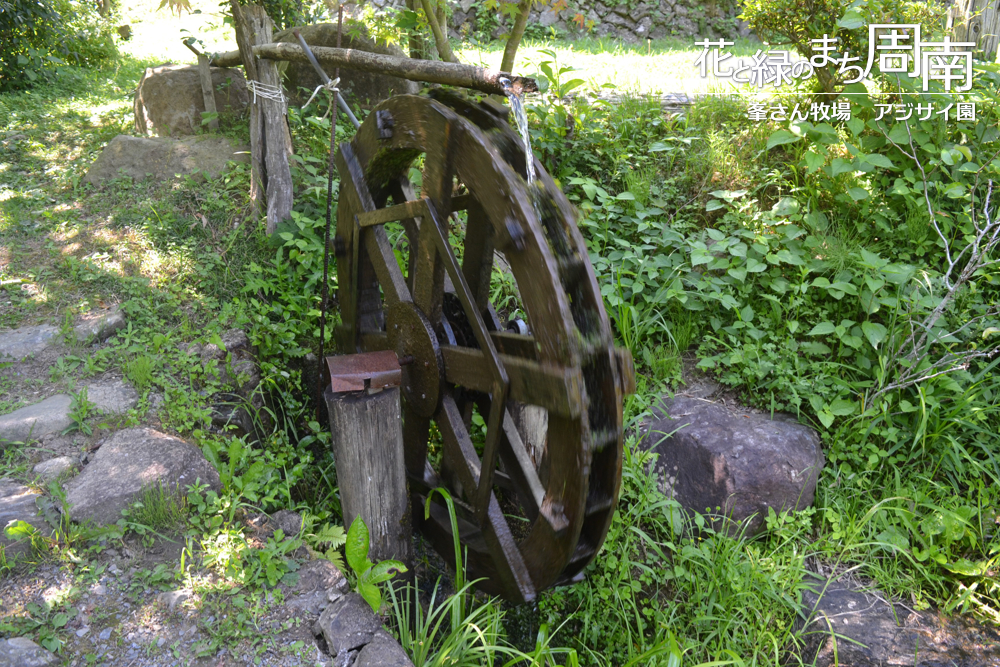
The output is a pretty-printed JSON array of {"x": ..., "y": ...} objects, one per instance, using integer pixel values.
[{"x": 368, "y": 370}]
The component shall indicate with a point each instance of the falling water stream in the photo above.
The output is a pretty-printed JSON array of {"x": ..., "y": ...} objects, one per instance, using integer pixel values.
[{"x": 517, "y": 106}]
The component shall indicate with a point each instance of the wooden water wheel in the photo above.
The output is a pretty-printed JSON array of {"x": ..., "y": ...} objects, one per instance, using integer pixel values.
[{"x": 414, "y": 275}]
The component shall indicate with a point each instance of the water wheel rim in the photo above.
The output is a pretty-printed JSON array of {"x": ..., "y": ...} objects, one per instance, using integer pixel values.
[{"x": 571, "y": 329}]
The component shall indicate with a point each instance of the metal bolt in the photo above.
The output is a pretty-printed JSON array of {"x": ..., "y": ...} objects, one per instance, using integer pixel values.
[{"x": 423, "y": 395}]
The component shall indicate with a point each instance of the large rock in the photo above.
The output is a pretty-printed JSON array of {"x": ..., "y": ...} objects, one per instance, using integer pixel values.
[
  {"x": 17, "y": 503},
  {"x": 129, "y": 462},
  {"x": 98, "y": 326},
  {"x": 318, "y": 581},
  {"x": 22, "y": 652},
  {"x": 361, "y": 88},
  {"x": 382, "y": 651},
  {"x": 20, "y": 343},
  {"x": 169, "y": 102},
  {"x": 163, "y": 158},
  {"x": 52, "y": 469},
  {"x": 744, "y": 464},
  {"x": 34, "y": 421},
  {"x": 113, "y": 397},
  {"x": 849, "y": 624},
  {"x": 347, "y": 624}
]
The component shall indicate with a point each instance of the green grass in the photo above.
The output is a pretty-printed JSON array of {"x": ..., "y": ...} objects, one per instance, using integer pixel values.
[{"x": 668, "y": 68}]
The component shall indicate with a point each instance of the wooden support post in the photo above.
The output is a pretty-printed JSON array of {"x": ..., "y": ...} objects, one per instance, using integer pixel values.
[
  {"x": 976, "y": 21},
  {"x": 368, "y": 451},
  {"x": 270, "y": 142},
  {"x": 208, "y": 91}
]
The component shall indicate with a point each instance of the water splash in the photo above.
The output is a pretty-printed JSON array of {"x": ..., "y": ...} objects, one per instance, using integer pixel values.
[{"x": 517, "y": 106}]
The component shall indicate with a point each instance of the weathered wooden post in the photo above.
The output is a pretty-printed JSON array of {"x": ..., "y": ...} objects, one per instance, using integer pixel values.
[
  {"x": 270, "y": 142},
  {"x": 976, "y": 21},
  {"x": 367, "y": 430},
  {"x": 207, "y": 88}
]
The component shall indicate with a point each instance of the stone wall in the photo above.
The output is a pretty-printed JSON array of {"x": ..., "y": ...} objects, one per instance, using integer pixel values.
[{"x": 632, "y": 21}]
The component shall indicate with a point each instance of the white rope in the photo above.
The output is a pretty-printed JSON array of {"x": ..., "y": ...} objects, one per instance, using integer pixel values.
[
  {"x": 331, "y": 86},
  {"x": 265, "y": 91}
]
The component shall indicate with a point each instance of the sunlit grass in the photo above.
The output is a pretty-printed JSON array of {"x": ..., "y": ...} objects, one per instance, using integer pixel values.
[{"x": 662, "y": 66}]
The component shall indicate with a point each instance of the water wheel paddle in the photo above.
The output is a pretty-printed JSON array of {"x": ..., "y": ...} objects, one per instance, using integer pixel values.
[{"x": 526, "y": 519}]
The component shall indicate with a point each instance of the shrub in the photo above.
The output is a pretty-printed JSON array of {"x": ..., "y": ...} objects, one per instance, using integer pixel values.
[{"x": 36, "y": 36}]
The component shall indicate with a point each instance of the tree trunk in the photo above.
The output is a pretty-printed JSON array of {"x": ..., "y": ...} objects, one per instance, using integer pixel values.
[
  {"x": 417, "y": 45},
  {"x": 246, "y": 56},
  {"x": 516, "y": 33},
  {"x": 428, "y": 71},
  {"x": 273, "y": 149},
  {"x": 440, "y": 33}
]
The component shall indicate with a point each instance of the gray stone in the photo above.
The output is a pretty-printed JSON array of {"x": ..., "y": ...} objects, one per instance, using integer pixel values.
[
  {"x": 743, "y": 464},
  {"x": 113, "y": 398},
  {"x": 382, "y": 651},
  {"x": 849, "y": 624},
  {"x": 548, "y": 17},
  {"x": 129, "y": 462},
  {"x": 17, "y": 503},
  {"x": 24, "y": 342},
  {"x": 169, "y": 101},
  {"x": 348, "y": 624},
  {"x": 53, "y": 469},
  {"x": 362, "y": 88},
  {"x": 289, "y": 522},
  {"x": 163, "y": 158},
  {"x": 174, "y": 598},
  {"x": 98, "y": 327},
  {"x": 34, "y": 421},
  {"x": 22, "y": 652},
  {"x": 316, "y": 580}
]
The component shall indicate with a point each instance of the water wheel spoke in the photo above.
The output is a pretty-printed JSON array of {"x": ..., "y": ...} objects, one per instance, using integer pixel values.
[
  {"x": 477, "y": 264},
  {"x": 496, "y": 533},
  {"x": 390, "y": 277}
]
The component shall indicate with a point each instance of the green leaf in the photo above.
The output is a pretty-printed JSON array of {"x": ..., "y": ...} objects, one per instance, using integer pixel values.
[
  {"x": 825, "y": 418},
  {"x": 857, "y": 194},
  {"x": 874, "y": 332},
  {"x": 856, "y": 125},
  {"x": 813, "y": 161},
  {"x": 785, "y": 206},
  {"x": 822, "y": 329},
  {"x": 879, "y": 160},
  {"x": 371, "y": 594},
  {"x": 714, "y": 205},
  {"x": 840, "y": 166},
  {"x": 852, "y": 20},
  {"x": 384, "y": 571},
  {"x": 899, "y": 134},
  {"x": 357, "y": 546},
  {"x": 755, "y": 266},
  {"x": 781, "y": 137}
]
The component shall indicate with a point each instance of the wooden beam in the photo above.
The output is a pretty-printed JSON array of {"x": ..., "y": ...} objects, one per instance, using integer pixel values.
[
  {"x": 559, "y": 390},
  {"x": 426, "y": 71}
]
